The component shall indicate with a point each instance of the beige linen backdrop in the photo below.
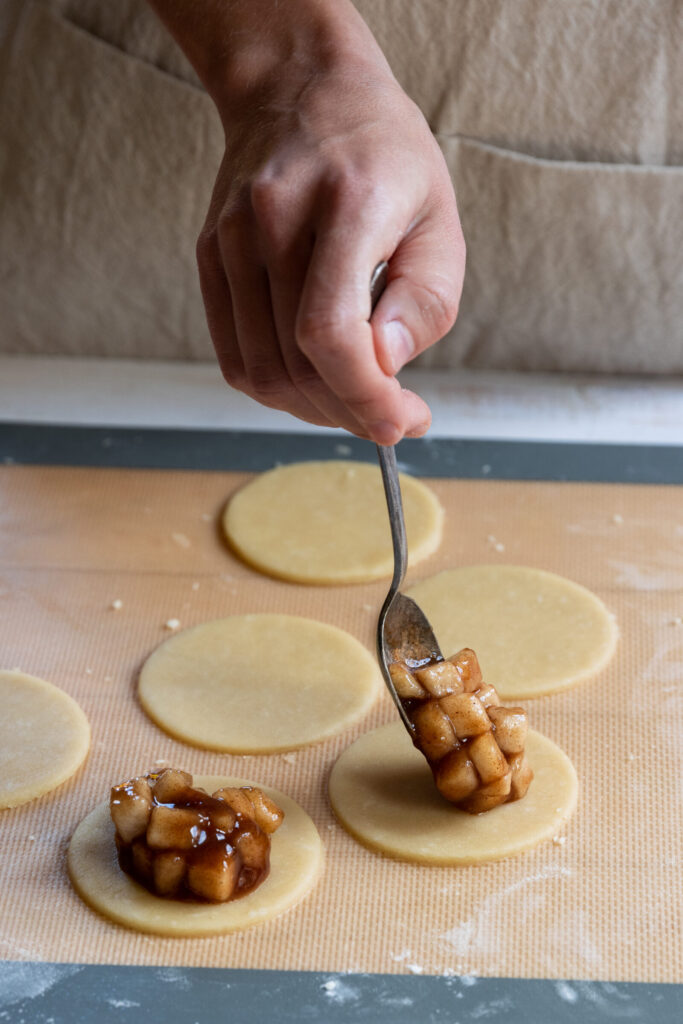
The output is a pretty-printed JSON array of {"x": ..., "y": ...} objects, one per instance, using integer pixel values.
[{"x": 562, "y": 125}]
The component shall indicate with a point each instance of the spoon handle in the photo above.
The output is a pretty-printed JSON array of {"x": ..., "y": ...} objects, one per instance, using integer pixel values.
[
  {"x": 387, "y": 462},
  {"x": 392, "y": 490}
]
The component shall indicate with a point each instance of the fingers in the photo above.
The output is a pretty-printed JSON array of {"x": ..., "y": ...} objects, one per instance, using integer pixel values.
[
  {"x": 242, "y": 327},
  {"x": 218, "y": 307},
  {"x": 420, "y": 303},
  {"x": 284, "y": 229},
  {"x": 286, "y": 283},
  {"x": 287, "y": 299},
  {"x": 332, "y": 328}
]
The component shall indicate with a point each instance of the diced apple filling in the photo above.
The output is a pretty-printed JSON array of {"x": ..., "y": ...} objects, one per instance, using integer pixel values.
[
  {"x": 474, "y": 745},
  {"x": 180, "y": 842}
]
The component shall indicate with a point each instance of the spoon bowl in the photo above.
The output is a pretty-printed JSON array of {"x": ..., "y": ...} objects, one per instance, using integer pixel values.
[{"x": 403, "y": 630}]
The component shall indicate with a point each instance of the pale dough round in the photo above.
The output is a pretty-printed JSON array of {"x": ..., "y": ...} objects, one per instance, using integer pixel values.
[
  {"x": 383, "y": 793},
  {"x": 534, "y": 633},
  {"x": 258, "y": 683},
  {"x": 44, "y": 737},
  {"x": 327, "y": 522},
  {"x": 296, "y": 859}
]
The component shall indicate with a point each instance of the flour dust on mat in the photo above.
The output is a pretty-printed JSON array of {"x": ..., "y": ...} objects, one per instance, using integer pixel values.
[
  {"x": 534, "y": 632},
  {"x": 383, "y": 793},
  {"x": 296, "y": 859},
  {"x": 44, "y": 737},
  {"x": 327, "y": 523},
  {"x": 258, "y": 683}
]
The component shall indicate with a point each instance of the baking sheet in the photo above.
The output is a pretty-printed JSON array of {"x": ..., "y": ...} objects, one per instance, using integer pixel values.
[{"x": 597, "y": 908}]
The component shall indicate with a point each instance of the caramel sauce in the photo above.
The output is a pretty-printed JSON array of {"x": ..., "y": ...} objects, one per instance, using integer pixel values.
[{"x": 211, "y": 846}]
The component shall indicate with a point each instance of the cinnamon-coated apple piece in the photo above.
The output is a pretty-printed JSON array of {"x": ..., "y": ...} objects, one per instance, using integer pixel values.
[{"x": 474, "y": 745}]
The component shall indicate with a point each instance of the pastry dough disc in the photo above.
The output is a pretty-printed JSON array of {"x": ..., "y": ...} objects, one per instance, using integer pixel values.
[
  {"x": 44, "y": 738},
  {"x": 534, "y": 633},
  {"x": 383, "y": 793},
  {"x": 326, "y": 522},
  {"x": 296, "y": 858},
  {"x": 258, "y": 683}
]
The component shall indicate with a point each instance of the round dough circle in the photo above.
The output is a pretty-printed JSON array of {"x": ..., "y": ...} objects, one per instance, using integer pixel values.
[
  {"x": 534, "y": 633},
  {"x": 326, "y": 522},
  {"x": 383, "y": 793},
  {"x": 296, "y": 857},
  {"x": 44, "y": 738},
  {"x": 258, "y": 683}
]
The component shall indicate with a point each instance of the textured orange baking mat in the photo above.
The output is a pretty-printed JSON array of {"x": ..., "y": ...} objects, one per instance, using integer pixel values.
[{"x": 600, "y": 902}]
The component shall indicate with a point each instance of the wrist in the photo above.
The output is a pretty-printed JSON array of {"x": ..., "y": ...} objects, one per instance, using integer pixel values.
[
  {"x": 250, "y": 52},
  {"x": 306, "y": 40}
]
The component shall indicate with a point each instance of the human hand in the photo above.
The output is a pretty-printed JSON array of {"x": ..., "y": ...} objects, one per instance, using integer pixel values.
[{"x": 329, "y": 168}]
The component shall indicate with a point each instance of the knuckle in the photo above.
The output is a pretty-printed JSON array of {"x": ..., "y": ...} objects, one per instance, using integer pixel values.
[
  {"x": 442, "y": 302},
  {"x": 316, "y": 332},
  {"x": 354, "y": 186},
  {"x": 229, "y": 231},
  {"x": 234, "y": 374},
  {"x": 272, "y": 204},
  {"x": 267, "y": 383},
  {"x": 266, "y": 199},
  {"x": 304, "y": 375},
  {"x": 206, "y": 248},
  {"x": 366, "y": 410}
]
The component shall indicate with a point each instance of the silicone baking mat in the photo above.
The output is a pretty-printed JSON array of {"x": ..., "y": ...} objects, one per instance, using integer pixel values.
[{"x": 584, "y": 927}]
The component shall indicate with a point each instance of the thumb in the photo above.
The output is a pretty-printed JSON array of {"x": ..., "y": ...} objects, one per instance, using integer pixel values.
[{"x": 420, "y": 302}]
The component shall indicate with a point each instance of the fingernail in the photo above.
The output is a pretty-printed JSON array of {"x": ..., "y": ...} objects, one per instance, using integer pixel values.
[
  {"x": 399, "y": 344},
  {"x": 384, "y": 432}
]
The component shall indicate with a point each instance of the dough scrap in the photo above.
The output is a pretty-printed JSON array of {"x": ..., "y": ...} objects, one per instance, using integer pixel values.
[
  {"x": 258, "y": 683},
  {"x": 296, "y": 859},
  {"x": 327, "y": 523},
  {"x": 44, "y": 737},
  {"x": 534, "y": 632},
  {"x": 383, "y": 793}
]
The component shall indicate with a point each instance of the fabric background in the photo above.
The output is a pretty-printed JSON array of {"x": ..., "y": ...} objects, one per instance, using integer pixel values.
[{"x": 562, "y": 125}]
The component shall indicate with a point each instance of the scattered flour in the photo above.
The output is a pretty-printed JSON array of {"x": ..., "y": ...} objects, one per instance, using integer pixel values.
[
  {"x": 181, "y": 540},
  {"x": 174, "y": 976},
  {"x": 641, "y": 577},
  {"x": 21, "y": 981},
  {"x": 478, "y": 933},
  {"x": 611, "y": 1001},
  {"x": 340, "y": 992},
  {"x": 495, "y": 543},
  {"x": 122, "y": 1004},
  {"x": 398, "y": 957},
  {"x": 566, "y": 992},
  {"x": 492, "y": 1009}
]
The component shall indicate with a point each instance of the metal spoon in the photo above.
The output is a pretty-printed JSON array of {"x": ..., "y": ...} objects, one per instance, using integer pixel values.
[{"x": 403, "y": 631}]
